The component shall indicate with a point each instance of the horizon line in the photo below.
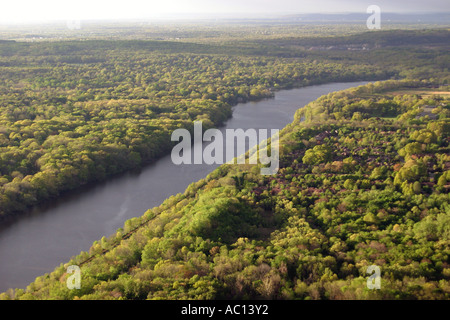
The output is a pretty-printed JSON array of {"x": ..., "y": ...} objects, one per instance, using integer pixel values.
[{"x": 213, "y": 16}]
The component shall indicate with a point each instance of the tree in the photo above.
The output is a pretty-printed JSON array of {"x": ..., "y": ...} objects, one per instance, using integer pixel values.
[{"x": 316, "y": 155}]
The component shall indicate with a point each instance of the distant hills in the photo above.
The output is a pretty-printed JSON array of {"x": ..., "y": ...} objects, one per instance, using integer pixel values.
[
  {"x": 387, "y": 17},
  {"x": 341, "y": 17}
]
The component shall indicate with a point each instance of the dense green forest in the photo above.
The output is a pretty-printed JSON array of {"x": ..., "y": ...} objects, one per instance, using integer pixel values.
[
  {"x": 363, "y": 180},
  {"x": 76, "y": 112},
  {"x": 363, "y": 176}
]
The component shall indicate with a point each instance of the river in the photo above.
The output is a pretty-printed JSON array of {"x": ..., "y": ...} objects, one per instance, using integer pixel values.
[{"x": 34, "y": 243}]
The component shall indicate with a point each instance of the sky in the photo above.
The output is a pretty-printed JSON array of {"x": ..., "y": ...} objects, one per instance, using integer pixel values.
[{"x": 46, "y": 10}]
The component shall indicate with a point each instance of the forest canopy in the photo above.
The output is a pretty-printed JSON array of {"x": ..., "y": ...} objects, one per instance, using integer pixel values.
[
  {"x": 76, "y": 112},
  {"x": 308, "y": 232},
  {"x": 363, "y": 179}
]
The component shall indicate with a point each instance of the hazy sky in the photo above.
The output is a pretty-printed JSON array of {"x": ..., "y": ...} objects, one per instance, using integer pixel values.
[{"x": 27, "y": 10}]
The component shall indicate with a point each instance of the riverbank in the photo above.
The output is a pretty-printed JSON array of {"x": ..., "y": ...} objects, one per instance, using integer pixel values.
[{"x": 35, "y": 243}]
